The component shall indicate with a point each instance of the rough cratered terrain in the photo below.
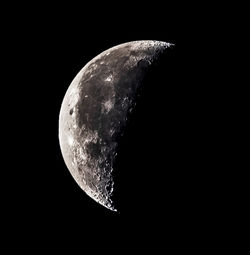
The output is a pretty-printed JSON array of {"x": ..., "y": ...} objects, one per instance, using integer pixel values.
[{"x": 95, "y": 110}]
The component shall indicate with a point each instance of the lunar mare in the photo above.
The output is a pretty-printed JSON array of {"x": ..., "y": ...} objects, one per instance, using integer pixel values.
[{"x": 94, "y": 113}]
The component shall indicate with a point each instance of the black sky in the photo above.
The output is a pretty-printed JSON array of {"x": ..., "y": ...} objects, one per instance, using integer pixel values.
[{"x": 51, "y": 45}]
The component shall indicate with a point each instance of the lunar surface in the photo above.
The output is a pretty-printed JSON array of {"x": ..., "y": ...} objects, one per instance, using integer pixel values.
[{"x": 95, "y": 111}]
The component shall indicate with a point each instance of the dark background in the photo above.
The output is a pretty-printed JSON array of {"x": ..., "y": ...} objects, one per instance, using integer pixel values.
[{"x": 168, "y": 150}]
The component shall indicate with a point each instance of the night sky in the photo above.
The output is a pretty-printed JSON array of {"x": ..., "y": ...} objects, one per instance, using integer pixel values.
[{"x": 53, "y": 45}]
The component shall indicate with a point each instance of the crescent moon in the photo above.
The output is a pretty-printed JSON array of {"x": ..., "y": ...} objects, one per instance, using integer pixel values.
[{"x": 95, "y": 110}]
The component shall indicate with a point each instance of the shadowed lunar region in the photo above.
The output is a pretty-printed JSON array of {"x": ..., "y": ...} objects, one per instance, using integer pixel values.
[{"x": 95, "y": 113}]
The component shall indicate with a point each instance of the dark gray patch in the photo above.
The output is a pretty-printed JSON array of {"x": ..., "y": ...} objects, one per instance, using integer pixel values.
[{"x": 93, "y": 149}]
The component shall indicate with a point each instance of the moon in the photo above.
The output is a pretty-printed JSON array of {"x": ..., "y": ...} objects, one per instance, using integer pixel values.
[{"x": 95, "y": 112}]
